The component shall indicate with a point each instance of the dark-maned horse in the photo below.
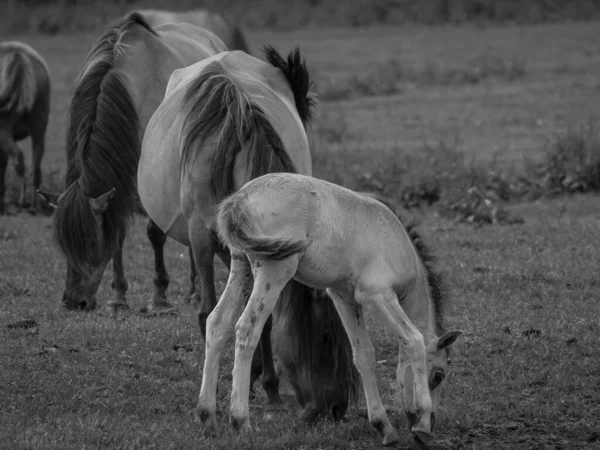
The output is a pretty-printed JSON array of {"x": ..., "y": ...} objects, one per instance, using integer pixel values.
[
  {"x": 288, "y": 226},
  {"x": 24, "y": 109},
  {"x": 224, "y": 121},
  {"x": 230, "y": 34},
  {"x": 123, "y": 81}
]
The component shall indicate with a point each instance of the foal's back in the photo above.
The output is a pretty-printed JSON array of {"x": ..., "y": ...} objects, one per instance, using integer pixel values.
[{"x": 351, "y": 237}]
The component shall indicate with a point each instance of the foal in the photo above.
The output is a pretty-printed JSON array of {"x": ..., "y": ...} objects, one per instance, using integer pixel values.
[{"x": 283, "y": 226}]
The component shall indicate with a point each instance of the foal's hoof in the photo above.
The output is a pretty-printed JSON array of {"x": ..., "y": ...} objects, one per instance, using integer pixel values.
[
  {"x": 209, "y": 424},
  {"x": 422, "y": 439}
]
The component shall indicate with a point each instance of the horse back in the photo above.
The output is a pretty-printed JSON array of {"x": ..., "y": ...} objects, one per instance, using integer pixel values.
[
  {"x": 31, "y": 86},
  {"x": 148, "y": 60}
]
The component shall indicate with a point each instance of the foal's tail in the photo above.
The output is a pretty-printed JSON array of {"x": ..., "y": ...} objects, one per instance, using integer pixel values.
[{"x": 236, "y": 230}]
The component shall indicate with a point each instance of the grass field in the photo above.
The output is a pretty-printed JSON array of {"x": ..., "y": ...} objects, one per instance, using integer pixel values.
[{"x": 527, "y": 371}]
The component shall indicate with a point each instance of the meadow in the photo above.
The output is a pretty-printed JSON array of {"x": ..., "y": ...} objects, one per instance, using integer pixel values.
[{"x": 398, "y": 103}]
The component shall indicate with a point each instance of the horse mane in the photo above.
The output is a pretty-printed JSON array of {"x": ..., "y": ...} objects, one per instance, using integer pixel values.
[
  {"x": 103, "y": 151},
  {"x": 17, "y": 82},
  {"x": 435, "y": 278},
  {"x": 318, "y": 345},
  {"x": 295, "y": 72},
  {"x": 215, "y": 106}
]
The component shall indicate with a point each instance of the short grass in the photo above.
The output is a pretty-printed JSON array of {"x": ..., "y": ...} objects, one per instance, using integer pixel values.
[{"x": 526, "y": 374}]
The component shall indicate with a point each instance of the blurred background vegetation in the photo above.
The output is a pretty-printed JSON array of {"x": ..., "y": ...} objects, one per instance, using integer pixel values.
[{"x": 58, "y": 16}]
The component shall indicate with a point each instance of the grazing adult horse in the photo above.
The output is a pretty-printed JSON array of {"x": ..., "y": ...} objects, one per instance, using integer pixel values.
[
  {"x": 224, "y": 121},
  {"x": 230, "y": 34},
  {"x": 24, "y": 109},
  {"x": 124, "y": 79},
  {"x": 283, "y": 227}
]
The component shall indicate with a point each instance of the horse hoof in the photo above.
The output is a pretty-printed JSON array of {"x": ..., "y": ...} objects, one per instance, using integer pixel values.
[
  {"x": 390, "y": 438},
  {"x": 422, "y": 438},
  {"x": 241, "y": 425},
  {"x": 309, "y": 415}
]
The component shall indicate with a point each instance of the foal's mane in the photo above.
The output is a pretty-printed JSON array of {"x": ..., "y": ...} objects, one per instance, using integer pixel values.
[
  {"x": 435, "y": 279},
  {"x": 103, "y": 151},
  {"x": 216, "y": 107},
  {"x": 17, "y": 78}
]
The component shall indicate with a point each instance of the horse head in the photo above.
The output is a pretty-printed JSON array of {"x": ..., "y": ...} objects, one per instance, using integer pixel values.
[{"x": 86, "y": 251}]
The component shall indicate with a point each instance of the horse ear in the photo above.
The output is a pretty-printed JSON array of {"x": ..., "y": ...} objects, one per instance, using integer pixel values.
[
  {"x": 448, "y": 339},
  {"x": 100, "y": 204},
  {"x": 50, "y": 197}
]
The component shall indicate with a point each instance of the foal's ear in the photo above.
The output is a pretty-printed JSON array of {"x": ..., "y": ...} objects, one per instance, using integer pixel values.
[
  {"x": 50, "y": 197},
  {"x": 100, "y": 204},
  {"x": 448, "y": 339}
]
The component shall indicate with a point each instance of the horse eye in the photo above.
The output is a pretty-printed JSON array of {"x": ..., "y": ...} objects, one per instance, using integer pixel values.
[{"x": 438, "y": 377}]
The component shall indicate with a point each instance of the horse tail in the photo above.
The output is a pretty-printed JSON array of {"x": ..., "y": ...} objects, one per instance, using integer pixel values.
[
  {"x": 295, "y": 72},
  {"x": 236, "y": 230},
  {"x": 217, "y": 107},
  {"x": 17, "y": 83}
]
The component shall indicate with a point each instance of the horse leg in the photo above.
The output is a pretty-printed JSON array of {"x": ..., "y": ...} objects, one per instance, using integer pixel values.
[
  {"x": 119, "y": 282},
  {"x": 3, "y": 165},
  {"x": 270, "y": 277},
  {"x": 190, "y": 295},
  {"x": 263, "y": 356},
  {"x": 219, "y": 325},
  {"x": 161, "y": 277},
  {"x": 38, "y": 149},
  {"x": 203, "y": 247},
  {"x": 364, "y": 358},
  {"x": 411, "y": 374},
  {"x": 270, "y": 381}
]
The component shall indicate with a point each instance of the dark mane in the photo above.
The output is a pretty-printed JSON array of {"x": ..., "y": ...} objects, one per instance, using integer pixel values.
[
  {"x": 17, "y": 82},
  {"x": 215, "y": 107},
  {"x": 298, "y": 77},
  {"x": 103, "y": 150},
  {"x": 317, "y": 338},
  {"x": 435, "y": 279}
]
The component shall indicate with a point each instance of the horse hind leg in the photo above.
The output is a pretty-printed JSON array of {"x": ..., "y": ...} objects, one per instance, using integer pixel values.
[
  {"x": 218, "y": 327},
  {"x": 270, "y": 277},
  {"x": 161, "y": 278},
  {"x": 352, "y": 317}
]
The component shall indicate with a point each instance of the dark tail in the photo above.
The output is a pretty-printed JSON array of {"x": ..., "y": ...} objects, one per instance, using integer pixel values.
[
  {"x": 216, "y": 107},
  {"x": 17, "y": 83},
  {"x": 298, "y": 77}
]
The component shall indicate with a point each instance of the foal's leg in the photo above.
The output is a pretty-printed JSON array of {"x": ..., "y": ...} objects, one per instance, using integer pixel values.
[
  {"x": 364, "y": 358},
  {"x": 119, "y": 283},
  {"x": 270, "y": 277},
  {"x": 161, "y": 278},
  {"x": 219, "y": 325},
  {"x": 411, "y": 374}
]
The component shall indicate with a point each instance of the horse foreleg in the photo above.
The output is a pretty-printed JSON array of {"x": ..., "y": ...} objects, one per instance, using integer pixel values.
[
  {"x": 119, "y": 282},
  {"x": 190, "y": 295},
  {"x": 161, "y": 277},
  {"x": 270, "y": 277},
  {"x": 363, "y": 352},
  {"x": 219, "y": 325}
]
